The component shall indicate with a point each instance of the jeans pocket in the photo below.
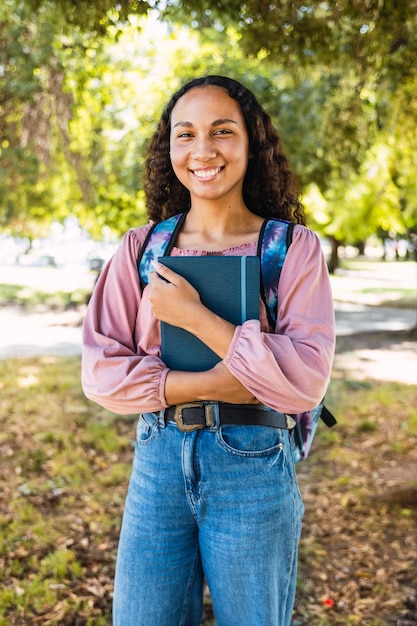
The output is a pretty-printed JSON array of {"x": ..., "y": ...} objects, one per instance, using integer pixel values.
[
  {"x": 147, "y": 428},
  {"x": 251, "y": 441}
]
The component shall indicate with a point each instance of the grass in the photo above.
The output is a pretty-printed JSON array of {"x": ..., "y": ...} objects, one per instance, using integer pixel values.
[
  {"x": 376, "y": 283},
  {"x": 359, "y": 487},
  {"x": 65, "y": 463},
  {"x": 376, "y": 264},
  {"x": 64, "y": 468},
  {"x": 29, "y": 298}
]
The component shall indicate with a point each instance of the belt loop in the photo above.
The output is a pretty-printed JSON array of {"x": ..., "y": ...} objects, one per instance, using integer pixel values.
[
  {"x": 212, "y": 414},
  {"x": 161, "y": 418}
]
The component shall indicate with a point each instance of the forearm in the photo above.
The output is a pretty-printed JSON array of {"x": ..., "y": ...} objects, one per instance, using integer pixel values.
[
  {"x": 286, "y": 374},
  {"x": 212, "y": 330},
  {"x": 121, "y": 367},
  {"x": 217, "y": 384}
]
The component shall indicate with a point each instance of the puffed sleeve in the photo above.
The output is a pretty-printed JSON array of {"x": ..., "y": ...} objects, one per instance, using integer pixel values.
[
  {"x": 121, "y": 368},
  {"x": 289, "y": 370}
]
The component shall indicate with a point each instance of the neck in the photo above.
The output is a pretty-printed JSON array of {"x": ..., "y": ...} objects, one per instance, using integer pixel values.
[
  {"x": 221, "y": 217},
  {"x": 214, "y": 229}
]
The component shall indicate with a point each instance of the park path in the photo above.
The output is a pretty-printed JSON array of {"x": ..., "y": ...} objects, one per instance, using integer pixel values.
[
  {"x": 26, "y": 335},
  {"x": 47, "y": 333}
]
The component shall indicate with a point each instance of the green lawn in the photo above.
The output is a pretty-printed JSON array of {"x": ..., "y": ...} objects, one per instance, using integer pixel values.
[{"x": 65, "y": 465}]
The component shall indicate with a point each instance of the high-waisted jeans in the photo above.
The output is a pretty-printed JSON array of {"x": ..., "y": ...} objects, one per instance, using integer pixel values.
[{"x": 220, "y": 504}]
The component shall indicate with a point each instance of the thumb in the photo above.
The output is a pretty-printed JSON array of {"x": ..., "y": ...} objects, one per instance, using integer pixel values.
[{"x": 164, "y": 272}]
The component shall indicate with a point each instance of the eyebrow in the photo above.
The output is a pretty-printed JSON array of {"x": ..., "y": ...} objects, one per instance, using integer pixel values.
[{"x": 219, "y": 122}]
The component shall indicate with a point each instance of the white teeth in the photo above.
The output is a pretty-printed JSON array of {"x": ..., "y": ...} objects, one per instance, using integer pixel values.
[{"x": 207, "y": 173}]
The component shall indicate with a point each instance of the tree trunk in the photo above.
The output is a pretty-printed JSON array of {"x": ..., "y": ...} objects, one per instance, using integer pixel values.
[{"x": 333, "y": 263}]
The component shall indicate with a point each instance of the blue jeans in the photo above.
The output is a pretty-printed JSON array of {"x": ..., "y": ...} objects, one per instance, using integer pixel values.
[{"x": 220, "y": 503}]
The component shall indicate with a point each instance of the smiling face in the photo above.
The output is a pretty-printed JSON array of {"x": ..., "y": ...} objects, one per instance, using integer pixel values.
[{"x": 209, "y": 145}]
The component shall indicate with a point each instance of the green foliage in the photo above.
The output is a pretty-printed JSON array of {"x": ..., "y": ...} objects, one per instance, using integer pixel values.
[
  {"x": 375, "y": 37},
  {"x": 84, "y": 84},
  {"x": 24, "y": 47},
  {"x": 96, "y": 17}
]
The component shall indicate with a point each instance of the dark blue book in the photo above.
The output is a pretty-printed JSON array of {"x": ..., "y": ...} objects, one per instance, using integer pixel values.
[{"x": 229, "y": 286}]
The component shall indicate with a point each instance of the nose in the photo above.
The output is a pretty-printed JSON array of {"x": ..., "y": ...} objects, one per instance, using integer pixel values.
[{"x": 203, "y": 149}]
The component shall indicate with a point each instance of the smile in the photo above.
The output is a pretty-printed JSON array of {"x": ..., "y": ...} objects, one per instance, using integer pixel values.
[{"x": 205, "y": 174}]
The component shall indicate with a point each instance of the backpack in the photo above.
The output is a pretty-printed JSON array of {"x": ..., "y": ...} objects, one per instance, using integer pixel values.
[{"x": 274, "y": 240}]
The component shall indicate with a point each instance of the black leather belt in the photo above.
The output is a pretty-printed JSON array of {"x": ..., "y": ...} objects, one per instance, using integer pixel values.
[{"x": 195, "y": 415}]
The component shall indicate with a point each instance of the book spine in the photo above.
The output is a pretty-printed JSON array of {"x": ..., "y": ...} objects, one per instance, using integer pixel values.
[{"x": 243, "y": 289}]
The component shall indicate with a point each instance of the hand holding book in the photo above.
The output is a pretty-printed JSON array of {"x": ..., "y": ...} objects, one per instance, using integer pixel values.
[
  {"x": 197, "y": 338},
  {"x": 174, "y": 300},
  {"x": 177, "y": 304}
]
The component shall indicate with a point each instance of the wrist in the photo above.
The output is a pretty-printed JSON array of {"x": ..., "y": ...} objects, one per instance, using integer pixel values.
[
  {"x": 196, "y": 318},
  {"x": 183, "y": 387}
]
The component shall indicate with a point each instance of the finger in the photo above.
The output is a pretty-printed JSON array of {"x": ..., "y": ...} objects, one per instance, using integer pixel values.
[
  {"x": 165, "y": 272},
  {"x": 154, "y": 277}
]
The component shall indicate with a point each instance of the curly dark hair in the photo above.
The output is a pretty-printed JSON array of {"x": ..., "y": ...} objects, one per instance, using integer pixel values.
[{"x": 270, "y": 189}]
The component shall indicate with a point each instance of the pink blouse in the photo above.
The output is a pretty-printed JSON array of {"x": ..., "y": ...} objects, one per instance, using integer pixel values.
[{"x": 287, "y": 370}]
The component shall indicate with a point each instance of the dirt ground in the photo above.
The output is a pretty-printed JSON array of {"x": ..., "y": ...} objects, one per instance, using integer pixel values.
[
  {"x": 358, "y": 556},
  {"x": 358, "y": 553},
  {"x": 359, "y": 546}
]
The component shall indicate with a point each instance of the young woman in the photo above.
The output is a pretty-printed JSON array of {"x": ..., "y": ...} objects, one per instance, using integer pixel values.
[{"x": 220, "y": 503}]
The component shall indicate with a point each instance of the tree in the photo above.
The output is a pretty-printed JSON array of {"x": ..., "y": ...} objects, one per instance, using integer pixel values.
[
  {"x": 36, "y": 159},
  {"x": 99, "y": 101},
  {"x": 376, "y": 38},
  {"x": 22, "y": 108},
  {"x": 337, "y": 78}
]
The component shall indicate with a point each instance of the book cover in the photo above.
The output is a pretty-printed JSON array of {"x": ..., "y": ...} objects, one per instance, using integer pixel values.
[{"x": 229, "y": 286}]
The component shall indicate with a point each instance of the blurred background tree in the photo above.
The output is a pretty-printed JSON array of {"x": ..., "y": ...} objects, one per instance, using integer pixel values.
[{"x": 83, "y": 84}]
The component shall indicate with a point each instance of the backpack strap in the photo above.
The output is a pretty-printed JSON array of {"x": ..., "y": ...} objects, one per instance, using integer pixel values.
[
  {"x": 159, "y": 242},
  {"x": 275, "y": 237},
  {"x": 274, "y": 240},
  {"x": 327, "y": 417}
]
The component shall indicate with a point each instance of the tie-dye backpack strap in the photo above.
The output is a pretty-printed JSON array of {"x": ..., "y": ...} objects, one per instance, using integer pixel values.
[
  {"x": 305, "y": 429},
  {"x": 159, "y": 242},
  {"x": 274, "y": 240}
]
